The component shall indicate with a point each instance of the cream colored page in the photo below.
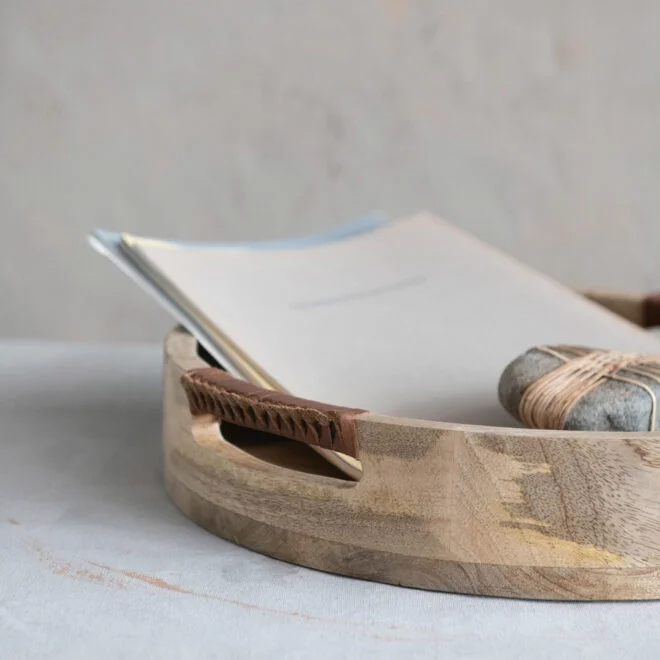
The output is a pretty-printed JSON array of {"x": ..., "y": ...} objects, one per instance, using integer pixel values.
[{"x": 414, "y": 319}]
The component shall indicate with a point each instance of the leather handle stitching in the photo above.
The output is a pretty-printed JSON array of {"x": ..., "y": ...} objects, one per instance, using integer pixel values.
[{"x": 332, "y": 429}]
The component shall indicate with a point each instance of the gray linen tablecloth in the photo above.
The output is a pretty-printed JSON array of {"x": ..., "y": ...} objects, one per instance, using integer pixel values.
[{"x": 95, "y": 562}]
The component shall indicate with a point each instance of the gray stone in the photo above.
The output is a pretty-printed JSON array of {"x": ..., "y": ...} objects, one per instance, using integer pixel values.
[{"x": 612, "y": 406}]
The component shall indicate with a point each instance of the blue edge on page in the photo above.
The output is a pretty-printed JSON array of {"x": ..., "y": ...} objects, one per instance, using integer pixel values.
[{"x": 363, "y": 225}]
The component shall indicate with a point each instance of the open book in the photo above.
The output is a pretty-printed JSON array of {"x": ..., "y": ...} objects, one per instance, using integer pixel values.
[{"x": 412, "y": 318}]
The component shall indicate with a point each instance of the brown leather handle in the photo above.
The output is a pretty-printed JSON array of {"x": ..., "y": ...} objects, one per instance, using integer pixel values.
[{"x": 214, "y": 392}]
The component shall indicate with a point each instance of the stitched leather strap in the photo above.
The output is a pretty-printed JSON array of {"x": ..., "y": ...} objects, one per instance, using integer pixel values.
[
  {"x": 215, "y": 392},
  {"x": 651, "y": 313}
]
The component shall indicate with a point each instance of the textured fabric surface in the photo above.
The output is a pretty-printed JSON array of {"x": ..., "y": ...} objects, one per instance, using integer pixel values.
[{"x": 95, "y": 562}]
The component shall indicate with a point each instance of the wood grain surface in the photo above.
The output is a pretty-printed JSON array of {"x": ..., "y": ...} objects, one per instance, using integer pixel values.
[{"x": 476, "y": 510}]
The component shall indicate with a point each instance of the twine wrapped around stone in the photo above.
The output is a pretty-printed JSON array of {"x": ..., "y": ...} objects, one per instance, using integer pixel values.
[{"x": 577, "y": 388}]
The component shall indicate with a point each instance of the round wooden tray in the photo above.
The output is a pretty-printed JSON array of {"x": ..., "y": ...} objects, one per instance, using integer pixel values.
[{"x": 476, "y": 510}]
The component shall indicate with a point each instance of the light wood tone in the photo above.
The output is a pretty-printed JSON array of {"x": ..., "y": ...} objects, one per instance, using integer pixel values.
[
  {"x": 629, "y": 306},
  {"x": 477, "y": 510}
]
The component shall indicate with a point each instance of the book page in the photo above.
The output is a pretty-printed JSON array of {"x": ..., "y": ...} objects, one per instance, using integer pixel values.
[{"x": 414, "y": 318}]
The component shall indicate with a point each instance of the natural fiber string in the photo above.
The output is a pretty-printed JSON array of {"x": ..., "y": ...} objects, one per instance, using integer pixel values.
[{"x": 547, "y": 403}]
